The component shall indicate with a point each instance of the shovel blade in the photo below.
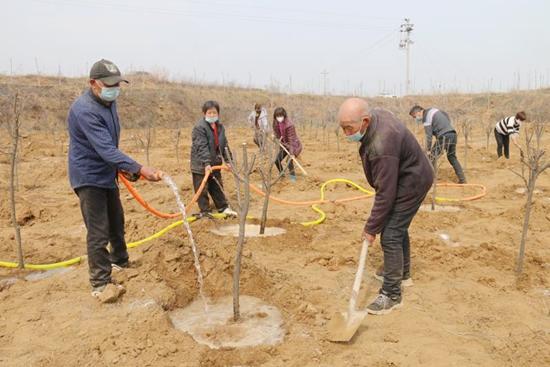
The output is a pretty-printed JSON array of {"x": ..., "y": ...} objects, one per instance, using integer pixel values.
[{"x": 342, "y": 326}]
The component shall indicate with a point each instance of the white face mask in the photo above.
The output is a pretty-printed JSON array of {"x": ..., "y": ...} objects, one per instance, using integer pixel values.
[{"x": 280, "y": 118}]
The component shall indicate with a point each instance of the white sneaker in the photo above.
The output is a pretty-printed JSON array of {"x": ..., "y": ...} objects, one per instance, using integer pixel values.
[{"x": 229, "y": 212}]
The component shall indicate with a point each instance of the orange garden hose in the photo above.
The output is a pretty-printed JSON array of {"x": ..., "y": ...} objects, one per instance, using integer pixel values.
[
  {"x": 312, "y": 203},
  {"x": 467, "y": 198},
  {"x": 322, "y": 200}
]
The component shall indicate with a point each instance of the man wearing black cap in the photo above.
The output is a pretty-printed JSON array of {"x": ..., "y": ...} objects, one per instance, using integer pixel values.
[{"x": 94, "y": 161}]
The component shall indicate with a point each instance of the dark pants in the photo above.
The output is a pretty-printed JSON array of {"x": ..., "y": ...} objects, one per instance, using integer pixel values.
[
  {"x": 503, "y": 141},
  {"x": 213, "y": 188},
  {"x": 279, "y": 162},
  {"x": 104, "y": 220},
  {"x": 397, "y": 250},
  {"x": 447, "y": 142}
]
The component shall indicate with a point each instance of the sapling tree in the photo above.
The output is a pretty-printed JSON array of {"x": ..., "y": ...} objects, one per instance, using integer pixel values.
[
  {"x": 466, "y": 129},
  {"x": 241, "y": 173},
  {"x": 489, "y": 129},
  {"x": 177, "y": 138},
  {"x": 533, "y": 163},
  {"x": 11, "y": 116},
  {"x": 265, "y": 168},
  {"x": 149, "y": 136}
]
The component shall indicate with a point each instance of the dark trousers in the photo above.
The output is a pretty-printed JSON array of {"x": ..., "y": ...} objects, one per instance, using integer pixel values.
[
  {"x": 397, "y": 250},
  {"x": 213, "y": 188},
  {"x": 104, "y": 220},
  {"x": 279, "y": 162},
  {"x": 447, "y": 142},
  {"x": 503, "y": 141}
]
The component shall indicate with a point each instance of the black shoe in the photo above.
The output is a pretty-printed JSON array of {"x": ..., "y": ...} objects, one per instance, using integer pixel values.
[{"x": 383, "y": 304}]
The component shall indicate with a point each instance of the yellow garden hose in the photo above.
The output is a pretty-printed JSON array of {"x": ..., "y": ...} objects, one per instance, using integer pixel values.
[
  {"x": 76, "y": 260},
  {"x": 322, "y": 214},
  {"x": 322, "y": 217}
]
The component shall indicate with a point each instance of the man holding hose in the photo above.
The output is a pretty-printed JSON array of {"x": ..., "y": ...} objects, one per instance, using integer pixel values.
[
  {"x": 399, "y": 171},
  {"x": 94, "y": 161}
]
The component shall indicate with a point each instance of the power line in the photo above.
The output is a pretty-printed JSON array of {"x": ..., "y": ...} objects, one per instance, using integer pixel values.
[
  {"x": 286, "y": 10},
  {"x": 212, "y": 14}
]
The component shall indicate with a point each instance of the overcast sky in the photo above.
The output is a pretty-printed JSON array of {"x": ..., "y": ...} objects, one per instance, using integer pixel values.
[{"x": 466, "y": 45}]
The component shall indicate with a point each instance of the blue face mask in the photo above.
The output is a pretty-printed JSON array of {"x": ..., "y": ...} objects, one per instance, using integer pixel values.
[
  {"x": 355, "y": 137},
  {"x": 109, "y": 94},
  {"x": 418, "y": 119},
  {"x": 211, "y": 120}
]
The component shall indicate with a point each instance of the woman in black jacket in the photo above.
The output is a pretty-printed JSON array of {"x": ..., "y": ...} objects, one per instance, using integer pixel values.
[{"x": 209, "y": 148}]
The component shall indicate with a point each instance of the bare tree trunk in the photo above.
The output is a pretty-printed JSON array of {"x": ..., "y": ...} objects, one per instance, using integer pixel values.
[
  {"x": 526, "y": 217},
  {"x": 266, "y": 172},
  {"x": 16, "y": 165},
  {"x": 267, "y": 190},
  {"x": 177, "y": 143},
  {"x": 15, "y": 135},
  {"x": 532, "y": 159},
  {"x": 148, "y": 144},
  {"x": 465, "y": 152},
  {"x": 246, "y": 169}
]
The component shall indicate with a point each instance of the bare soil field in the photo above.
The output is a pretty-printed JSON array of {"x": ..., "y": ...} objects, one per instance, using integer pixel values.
[{"x": 466, "y": 308}]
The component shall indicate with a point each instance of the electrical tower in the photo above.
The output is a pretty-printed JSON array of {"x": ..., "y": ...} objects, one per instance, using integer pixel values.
[{"x": 405, "y": 43}]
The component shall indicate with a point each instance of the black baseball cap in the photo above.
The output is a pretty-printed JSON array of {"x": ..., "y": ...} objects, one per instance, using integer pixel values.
[{"x": 107, "y": 72}]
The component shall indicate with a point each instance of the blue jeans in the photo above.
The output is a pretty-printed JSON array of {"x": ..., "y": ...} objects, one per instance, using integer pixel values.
[{"x": 397, "y": 250}]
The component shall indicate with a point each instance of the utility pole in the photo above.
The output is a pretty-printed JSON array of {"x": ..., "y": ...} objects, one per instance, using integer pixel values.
[
  {"x": 324, "y": 73},
  {"x": 405, "y": 43}
]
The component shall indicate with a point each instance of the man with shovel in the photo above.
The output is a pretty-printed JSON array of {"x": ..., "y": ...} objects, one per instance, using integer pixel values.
[
  {"x": 399, "y": 171},
  {"x": 94, "y": 161}
]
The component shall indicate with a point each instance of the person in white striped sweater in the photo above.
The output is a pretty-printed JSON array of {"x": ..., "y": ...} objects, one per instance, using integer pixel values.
[{"x": 506, "y": 129}]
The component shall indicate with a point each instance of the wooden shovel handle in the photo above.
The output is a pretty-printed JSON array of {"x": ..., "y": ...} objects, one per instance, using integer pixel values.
[{"x": 358, "y": 277}]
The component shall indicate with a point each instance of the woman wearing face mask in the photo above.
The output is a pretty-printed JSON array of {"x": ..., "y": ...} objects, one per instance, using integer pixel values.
[
  {"x": 210, "y": 148},
  {"x": 285, "y": 132}
]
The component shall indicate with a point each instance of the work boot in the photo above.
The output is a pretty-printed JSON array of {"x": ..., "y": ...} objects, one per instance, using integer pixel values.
[
  {"x": 292, "y": 178},
  {"x": 405, "y": 282},
  {"x": 383, "y": 304}
]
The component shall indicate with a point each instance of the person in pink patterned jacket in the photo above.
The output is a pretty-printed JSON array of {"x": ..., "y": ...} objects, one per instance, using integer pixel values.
[{"x": 285, "y": 132}]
